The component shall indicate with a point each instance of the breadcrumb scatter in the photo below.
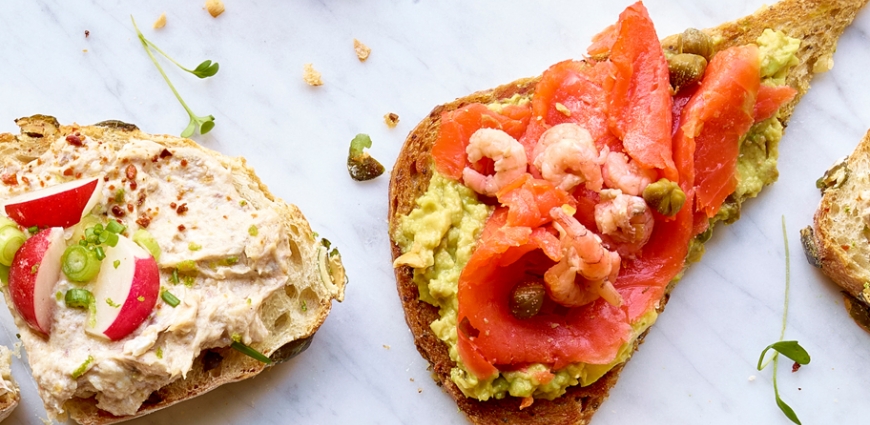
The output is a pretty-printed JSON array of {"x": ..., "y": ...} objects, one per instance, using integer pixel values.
[
  {"x": 214, "y": 7},
  {"x": 823, "y": 64},
  {"x": 160, "y": 22},
  {"x": 84, "y": 50},
  {"x": 563, "y": 109},
  {"x": 751, "y": 378},
  {"x": 391, "y": 119},
  {"x": 87, "y": 33},
  {"x": 311, "y": 76},
  {"x": 386, "y": 346},
  {"x": 419, "y": 391},
  {"x": 362, "y": 51}
]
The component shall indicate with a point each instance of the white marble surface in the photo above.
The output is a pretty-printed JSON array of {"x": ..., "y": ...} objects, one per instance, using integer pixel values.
[{"x": 695, "y": 365}]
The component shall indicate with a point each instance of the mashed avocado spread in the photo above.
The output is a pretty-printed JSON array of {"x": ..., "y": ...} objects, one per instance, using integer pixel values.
[{"x": 438, "y": 237}]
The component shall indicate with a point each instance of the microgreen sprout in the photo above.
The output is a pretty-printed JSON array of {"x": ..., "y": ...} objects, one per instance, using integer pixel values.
[
  {"x": 203, "y": 70},
  {"x": 790, "y": 349}
]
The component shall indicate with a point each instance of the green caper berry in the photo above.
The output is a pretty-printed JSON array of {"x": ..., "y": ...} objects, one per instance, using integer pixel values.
[
  {"x": 665, "y": 196},
  {"x": 686, "y": 69},
  {"x": 527, "y": 298}
]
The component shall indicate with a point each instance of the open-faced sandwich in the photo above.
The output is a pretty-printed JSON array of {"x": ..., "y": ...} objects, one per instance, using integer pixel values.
[
  {"x": 837, "y": 242},
  {"x": 538, "y": 227},
  {"x": 144, "y": 269}
]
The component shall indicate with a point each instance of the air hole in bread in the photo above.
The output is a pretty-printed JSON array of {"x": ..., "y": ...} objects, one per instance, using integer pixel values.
[
  {"x": 281, "y": 321},
  {"x": 296, "y": 256},
  {"x": 291, "y": 292}
]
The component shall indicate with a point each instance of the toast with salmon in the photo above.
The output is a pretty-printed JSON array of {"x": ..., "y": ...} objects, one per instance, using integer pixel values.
[
  {"x": 528, "y": 276},
  {"x": 238, "y": 281},
  {"x": 836, "y": 242}
]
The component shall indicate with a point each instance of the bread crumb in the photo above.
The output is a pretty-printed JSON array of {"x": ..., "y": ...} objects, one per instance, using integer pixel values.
[
  {"x": 87, "y": 33},
  {"x": 311, "y": 76},
  {"x": 527, "y": 401},
  {"x": 419, "y": 391},
  {"x": 84, "y": 50},
  {"x": 751, "y": 378},
  {"x": 386, "y": 346},
  {"x": 391, "y": 119},
  {"x": 160, "y": 22},
  {"x": 214, "y": 7},
  {"x": 563, "y": 109},
  {"x": 823, "y": 64},
  {"x": 362, "y": 51},
  {"x": 412, "y": 379}
]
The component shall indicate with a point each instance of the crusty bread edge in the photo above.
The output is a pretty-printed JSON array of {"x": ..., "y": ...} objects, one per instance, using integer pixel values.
[
  {"x": 817, "y": 23},
  {"x": 38, "y": 131}
]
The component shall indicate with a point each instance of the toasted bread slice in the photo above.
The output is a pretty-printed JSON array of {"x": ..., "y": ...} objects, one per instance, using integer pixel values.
[
  {"x": 837, "y": 240},
  {"x": 9, "y": 392},
  {"x": 314, "y": 278},
  {"x": 817, "y": 23}
]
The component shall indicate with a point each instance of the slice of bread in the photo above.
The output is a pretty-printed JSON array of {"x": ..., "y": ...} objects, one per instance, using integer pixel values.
[
  {"x": 292, "y": 315},
  {"x": 817, "y": 23},
  {"x": 9, "y": 392},
  {"x": 837, "y": 240}
]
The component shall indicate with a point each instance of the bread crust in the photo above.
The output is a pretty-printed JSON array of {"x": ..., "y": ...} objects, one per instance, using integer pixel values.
[
  {"x": 290, "y": 330},
  {"x": 411, "y": 174}
]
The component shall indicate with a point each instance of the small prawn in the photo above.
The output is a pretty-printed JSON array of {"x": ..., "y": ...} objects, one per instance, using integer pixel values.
[
  {"x": 566, "y": 156},
  {"x": 582, "y": 253},
  {"x": 625, "y": 174},
  {"x": 625, "y": 219},
  {"x": 508, "y": 154}
]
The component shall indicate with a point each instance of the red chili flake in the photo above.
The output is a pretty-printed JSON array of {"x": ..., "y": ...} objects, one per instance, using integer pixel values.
[
  {"x": 181, "y": 209},
  {"x": 133, "y": 185},
  {"x": 87, "y": 33},
  {"x": 181, "y": 228},
  {"x": 112, "y": 187},
  {"x": 10, "y": 179},
  {"x": 141, "y": 199},
  {"x": 105, "y": 179},
  {"x": 25, "y": 179},
  {"x": 78, "y": 175},
  {"x": 68, "y": 172},
  {"x": 172, "y": 205},
  {"x": 184, "y": 163},
  {"x": 795, "y": 367},
  {"x": 143, "y": 221},
  {"x": 118, "y": 211},
  {"x": 845, "y": 247},
  {"x": 130, "y": 207},
  {"x": 165, "y": 154},
  {"x": 130, "y": 172},
  {"x": 74, "y": 140}
]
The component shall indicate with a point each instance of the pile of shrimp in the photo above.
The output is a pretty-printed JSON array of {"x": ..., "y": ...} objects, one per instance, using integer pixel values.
[{"x": 566, "y": 156}]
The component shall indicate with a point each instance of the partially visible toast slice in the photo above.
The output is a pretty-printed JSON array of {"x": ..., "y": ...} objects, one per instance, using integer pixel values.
[
  {"x": 9, "y": 392},
  {"x": 837, "y": 242},
  {"x": 291, "y": 315},
  {"x": 817, "y": 23}
]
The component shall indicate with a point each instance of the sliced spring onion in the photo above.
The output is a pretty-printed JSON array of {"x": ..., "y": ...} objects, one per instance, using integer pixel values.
[
  {"x": 80, "y": 264},
  {"x": 116, "y": 263},
  {"x": 83, "y": 368},
  {"x": 4, "y": 274},
  {"x": 109, "y": 238},
  {"x": 193, "y": 246},
  {"x": 187, "y": 266},
  {"x": 253, "y": 231},
  {"x": 145, "y": 240},
  {"x": 174, "y": 278},
  {"x": 115, "y": 227},
  {"x": 250, "y": 352},
  {"x": 33, "y": 229},
  {"x": 170, "y": 299},
  {"x": 100, "y": 253},
  {"x": 10, "y": 240},
  {"x": 6, "y": 221},
  {"x": 78, "y": 298}
]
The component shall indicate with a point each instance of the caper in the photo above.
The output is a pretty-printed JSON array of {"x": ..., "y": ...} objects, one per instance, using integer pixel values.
[
  {"x": 664, "y": 196},
  {"x": 686, "y": 69},
  {"x": 697, "y": 42},
  {"x": 527, "y": 298},
  {"x": 673, "y": 44}
]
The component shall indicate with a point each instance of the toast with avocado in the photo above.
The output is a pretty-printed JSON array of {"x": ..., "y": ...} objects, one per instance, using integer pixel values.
[
  {"x": 10, "y": 395},
  {"x": 538, "y": 227},
  {"x": 148, "y": 269},
  {"x": 837, "y": 240}
]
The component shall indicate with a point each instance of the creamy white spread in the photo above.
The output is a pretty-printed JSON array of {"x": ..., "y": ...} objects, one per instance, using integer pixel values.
[{"x": 187, "y": 202}]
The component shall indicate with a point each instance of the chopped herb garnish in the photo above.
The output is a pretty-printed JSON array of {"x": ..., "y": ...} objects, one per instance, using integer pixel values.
[
  {"x": 250, "y": 352},
  {"x": 790, "y": 349},
  {"x": 253, "y": 231},
  {"x": 119, "y": 196},
  {"x": 203, "y": 70},
  {"x": 34, "y": 269},
  {"x": 112, "y": 303},
  {"x": 115, "y": 227},
  {"x": 229, "y": 261},
  {"x": 140, "y": 298},
  {"x": 304, "y": 306},
  {"x": 159, "y": 352},
  {"x": 80, "y": 264},
  {"x": 58, "y": 295},
  {"x": 83, "y": 368},
  {"x": 170, "y": 299},
  {"x": 243, "y": 202},
  {"x": 33, "y": 229},
  {"x": 174, "y": 278},
  {"x": 78, "y": 298},
  {"x": 193, "y": 246},
  {"x": 116, "y": 263},
  {"x": 187, "y": 266},
  {"x": 100, "y": 253},
  {"x": 360, "y": 164},
  {"x": 188, "y": 281}
]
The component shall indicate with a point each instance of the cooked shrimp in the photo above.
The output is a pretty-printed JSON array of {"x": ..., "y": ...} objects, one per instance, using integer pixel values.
[
  {"x": 625, "y": 219},
  {"x": 566, "y": 156},
  {"x": 625, "y": 174},
  {"x": 508, "y": 154},
  {"x": 583, "y": 254}
]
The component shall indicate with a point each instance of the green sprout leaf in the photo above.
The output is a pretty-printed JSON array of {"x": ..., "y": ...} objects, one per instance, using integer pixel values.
[
  {"x": 206, "y": 69},
  {"x": 787, "y": 410},
  {"x": 790, "y": 349}
]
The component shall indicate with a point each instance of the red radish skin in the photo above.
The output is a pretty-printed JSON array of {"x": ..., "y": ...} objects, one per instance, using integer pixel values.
[
  {"x": 62, "y": 205},
  {"x": 33, "y": 275},
  {"x": 125, "y": 296}
]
